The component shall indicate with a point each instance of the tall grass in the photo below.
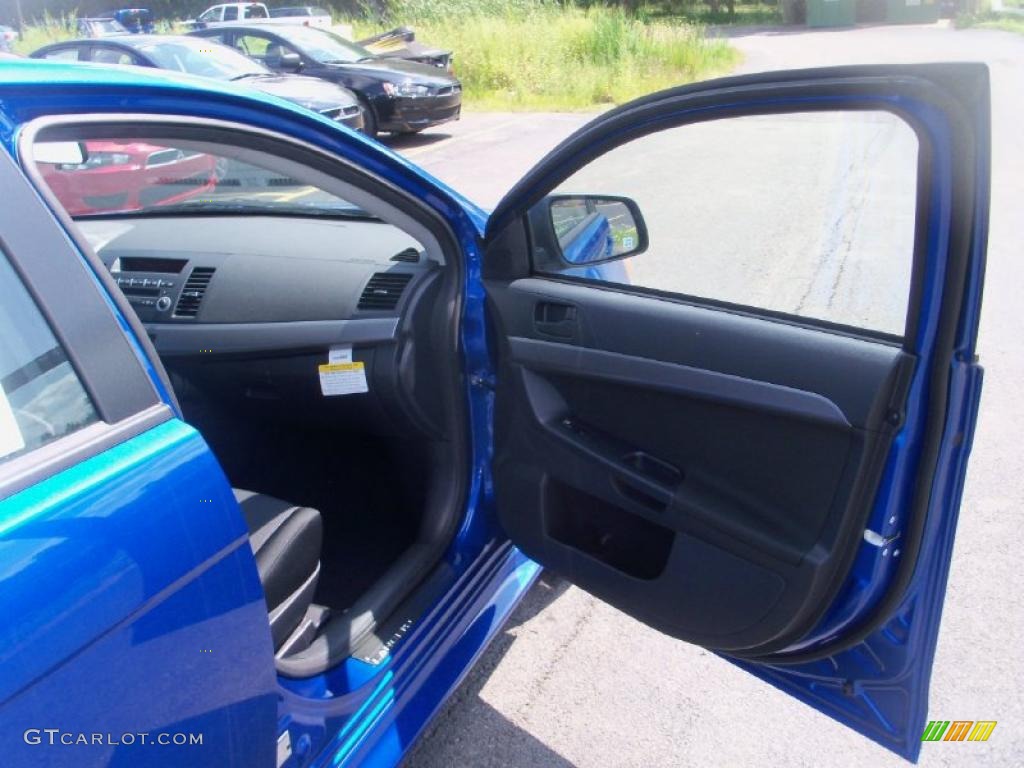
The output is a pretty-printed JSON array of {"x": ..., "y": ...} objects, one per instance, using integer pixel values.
[
  {"x": 51, "y": 29},
  {"x": 533, "y": 55}
]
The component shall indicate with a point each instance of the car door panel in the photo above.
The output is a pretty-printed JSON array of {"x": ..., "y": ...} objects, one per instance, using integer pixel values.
[
  {"x": 775, "y": 488},
  {"x": 734, "y": 462},
  {"x": 121, "y": 631}
]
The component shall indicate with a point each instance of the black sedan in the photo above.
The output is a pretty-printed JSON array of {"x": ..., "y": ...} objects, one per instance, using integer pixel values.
[
  {"x": 208, "y": 59},
  {"x": 397, "y": 96}
]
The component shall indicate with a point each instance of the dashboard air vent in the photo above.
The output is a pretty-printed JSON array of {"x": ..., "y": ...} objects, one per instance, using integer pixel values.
[
  {"x": 409, "y": 256},
  {"x": 192, "y": 292},
  {"x": 384, "y": 290}
]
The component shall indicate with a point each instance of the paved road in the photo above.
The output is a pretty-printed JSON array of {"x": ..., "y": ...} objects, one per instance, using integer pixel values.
[{"x": 573, "y": 682}]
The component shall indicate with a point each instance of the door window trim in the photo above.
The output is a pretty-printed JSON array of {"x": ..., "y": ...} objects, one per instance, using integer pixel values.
[{"x": 701, "y": 103}]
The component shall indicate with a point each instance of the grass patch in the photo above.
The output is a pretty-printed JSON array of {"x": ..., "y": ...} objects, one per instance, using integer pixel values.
[
  {"x": 523, "y": 55},
  {"x": 991, "y": 20}
]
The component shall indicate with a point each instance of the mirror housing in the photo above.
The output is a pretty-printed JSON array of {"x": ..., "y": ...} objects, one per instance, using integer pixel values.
[
  {"x": 60, "y": 152},
  {"x": 290, "y": 62},
  {"x": 594, "y": 229}
]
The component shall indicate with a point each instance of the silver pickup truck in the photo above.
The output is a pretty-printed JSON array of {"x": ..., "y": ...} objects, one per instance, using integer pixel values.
[{"x": 232, "y": 13}]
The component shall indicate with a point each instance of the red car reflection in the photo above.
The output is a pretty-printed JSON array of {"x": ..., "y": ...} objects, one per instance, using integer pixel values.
[{"x": 119, "y": 176}]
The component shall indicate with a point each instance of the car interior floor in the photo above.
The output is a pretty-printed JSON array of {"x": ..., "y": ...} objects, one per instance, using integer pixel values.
[{"x": 367, "y": 488}]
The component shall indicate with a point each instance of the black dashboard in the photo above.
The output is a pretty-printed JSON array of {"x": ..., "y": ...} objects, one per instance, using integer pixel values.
[
  {"x": 248, "y": 283},
  {"x": 246, "y": 308}
]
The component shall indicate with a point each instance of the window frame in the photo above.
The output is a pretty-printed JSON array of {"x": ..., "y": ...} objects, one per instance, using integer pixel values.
[
  {"x": 65, "y": 290},
  {"x": 829, "y": 103}
]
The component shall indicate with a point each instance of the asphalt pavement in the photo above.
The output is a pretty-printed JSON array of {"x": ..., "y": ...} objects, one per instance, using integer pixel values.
[{"x": 572, "y": 682}]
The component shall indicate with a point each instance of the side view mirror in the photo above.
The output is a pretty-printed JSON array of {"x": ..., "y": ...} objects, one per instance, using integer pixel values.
[
  {"x": 69, "y": 153},
  {"x": 290, "y": 62},
  {"x": 591, "y": 229}
]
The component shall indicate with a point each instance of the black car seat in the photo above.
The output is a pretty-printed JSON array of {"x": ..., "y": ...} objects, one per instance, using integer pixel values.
[{"x": 286, "y": 541}]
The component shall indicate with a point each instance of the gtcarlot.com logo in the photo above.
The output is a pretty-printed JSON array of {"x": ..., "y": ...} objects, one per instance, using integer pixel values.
[{"x": 57, "y": 737}]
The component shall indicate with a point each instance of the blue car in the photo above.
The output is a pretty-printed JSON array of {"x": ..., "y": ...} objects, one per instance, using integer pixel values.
[{"x": 279, "y": 458}]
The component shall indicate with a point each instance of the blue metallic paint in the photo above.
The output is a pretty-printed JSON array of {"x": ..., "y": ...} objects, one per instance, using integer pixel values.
[{"x": 131, "y": 605}]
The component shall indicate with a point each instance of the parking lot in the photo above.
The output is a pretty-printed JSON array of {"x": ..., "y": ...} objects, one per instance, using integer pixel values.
[{"x": 573, "y": 682}]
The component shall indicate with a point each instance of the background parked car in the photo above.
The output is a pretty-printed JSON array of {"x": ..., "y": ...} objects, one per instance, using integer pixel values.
[
  {"x": 129, "y": 176},
  {"x": 397, "y": 96},
  {"x": 400, "y": 43},
  {"x": 179, "y": 53},
  {"x": 100, "y": 27},
  {"x": 306, "y": 15},
  {"x": 138, "y": 21}
]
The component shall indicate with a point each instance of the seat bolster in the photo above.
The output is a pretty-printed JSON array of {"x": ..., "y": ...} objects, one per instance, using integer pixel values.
[
  {"x": 290, "y": 554},
  {"x": 286, "y": 541}
]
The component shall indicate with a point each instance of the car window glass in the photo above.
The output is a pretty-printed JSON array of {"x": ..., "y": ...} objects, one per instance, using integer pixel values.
[
  {"x": 230, "y": 13},
  {"x": 325, "y": 46},
  {"x": 260, "y": 48},
  {"x": 255, "y": 12},
  {"x": 210, "y": 15},
  {"x": 808, "y": 214},
  {"x": 63, "y": 54},
  {"x": 111, "y": 56},
  {"x": 41, "y": 397},
  {"x": 198, "y": 56}
]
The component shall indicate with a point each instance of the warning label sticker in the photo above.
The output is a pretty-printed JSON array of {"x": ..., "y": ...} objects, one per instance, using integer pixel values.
[{"x": 342, "y": 379}]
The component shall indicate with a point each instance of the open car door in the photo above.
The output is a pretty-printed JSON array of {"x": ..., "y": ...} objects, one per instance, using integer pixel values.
[{"x": 736, "y": 380}]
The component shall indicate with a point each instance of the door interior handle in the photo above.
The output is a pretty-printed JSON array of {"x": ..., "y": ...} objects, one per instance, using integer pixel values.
[{"x": 555, "y": 319}]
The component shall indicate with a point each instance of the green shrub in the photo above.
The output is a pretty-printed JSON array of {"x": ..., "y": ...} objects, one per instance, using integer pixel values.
[{"x": 991, "y": 20}]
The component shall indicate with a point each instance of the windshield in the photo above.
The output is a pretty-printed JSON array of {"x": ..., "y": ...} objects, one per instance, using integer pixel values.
[
  {"x": 325, "y": 47},
  {"x": 205, "y": 58}
]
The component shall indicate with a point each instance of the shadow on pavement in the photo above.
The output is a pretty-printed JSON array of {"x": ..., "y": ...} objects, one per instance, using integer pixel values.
[
  {"x": 469, "y": 731},
  {"x": 413, "y": 140}
]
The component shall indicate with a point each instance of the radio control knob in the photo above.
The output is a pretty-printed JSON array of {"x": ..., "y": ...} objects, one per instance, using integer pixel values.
[{"x": 163, "y": 303}]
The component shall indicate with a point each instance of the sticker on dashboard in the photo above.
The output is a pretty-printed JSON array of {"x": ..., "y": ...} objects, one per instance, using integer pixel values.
[{"x": 343, "y": 379}]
